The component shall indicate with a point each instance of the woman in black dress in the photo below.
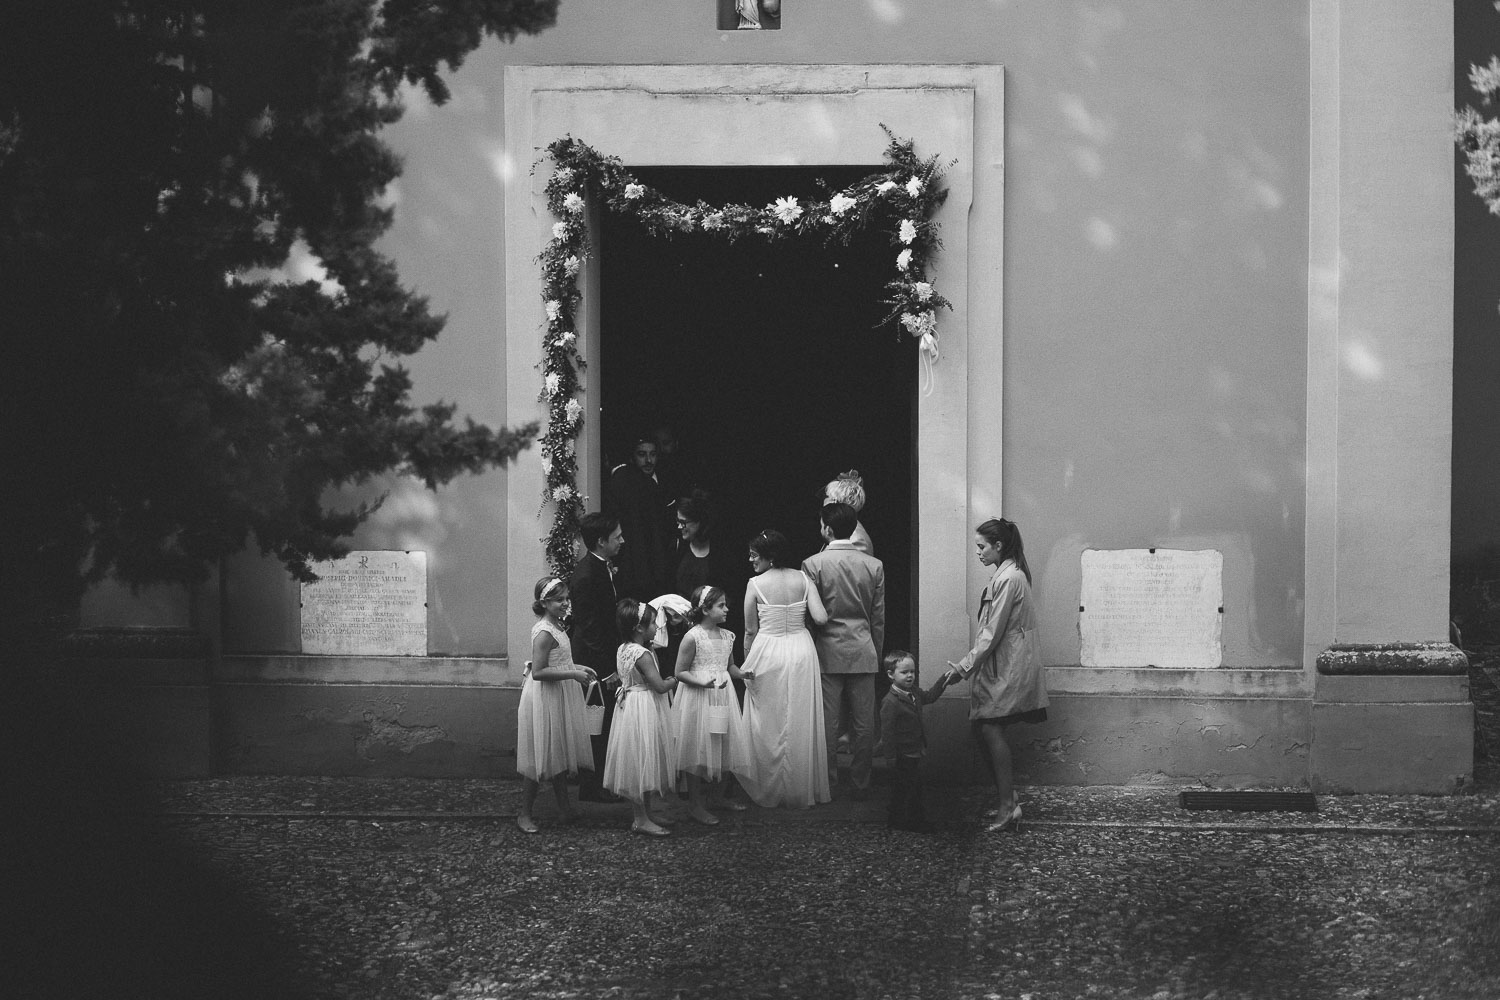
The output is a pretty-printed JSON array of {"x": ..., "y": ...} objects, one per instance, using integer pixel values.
[{"x": 704, "y": 560}]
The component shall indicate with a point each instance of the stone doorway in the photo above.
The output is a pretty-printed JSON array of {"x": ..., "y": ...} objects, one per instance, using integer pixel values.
[{"x": 756, "y": 116}]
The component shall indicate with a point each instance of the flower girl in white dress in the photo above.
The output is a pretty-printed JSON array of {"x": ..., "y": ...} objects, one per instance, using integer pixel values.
[
  {"x": 712, "y": 741},
  {"x": 552, "y": 735},
  {"x": 642, "y": 759}
]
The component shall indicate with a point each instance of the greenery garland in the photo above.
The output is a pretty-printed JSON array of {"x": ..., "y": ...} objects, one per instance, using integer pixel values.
[{"x": 900, "y": 200}]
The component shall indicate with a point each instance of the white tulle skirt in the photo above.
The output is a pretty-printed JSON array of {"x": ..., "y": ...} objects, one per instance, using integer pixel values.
[
  {"x": 707, "y": 754},
  {"x": 642, "y": 757},
  {"x": 552, "y": 734}
]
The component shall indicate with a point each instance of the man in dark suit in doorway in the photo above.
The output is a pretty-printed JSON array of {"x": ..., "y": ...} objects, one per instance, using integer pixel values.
[
  {"x": 634, "y": 494},
  {"x": 852, "y": 586},
  {"x": 592, "y": 629}
]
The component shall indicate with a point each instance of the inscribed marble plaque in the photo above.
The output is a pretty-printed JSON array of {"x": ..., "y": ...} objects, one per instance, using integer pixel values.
[
  {"x": 1152, "y": 607},
  {"x": 367, "y": 603}
]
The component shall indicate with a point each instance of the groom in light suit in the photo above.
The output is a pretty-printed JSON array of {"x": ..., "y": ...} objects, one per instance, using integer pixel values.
[{"x": 852, "y": 586}]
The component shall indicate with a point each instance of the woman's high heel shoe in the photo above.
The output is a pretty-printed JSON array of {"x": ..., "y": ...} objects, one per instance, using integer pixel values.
[{"x": 1011, "y": 823}]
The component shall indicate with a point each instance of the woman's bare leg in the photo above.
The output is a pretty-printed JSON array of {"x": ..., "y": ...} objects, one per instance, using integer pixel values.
[{"x": 997, "y": 755}]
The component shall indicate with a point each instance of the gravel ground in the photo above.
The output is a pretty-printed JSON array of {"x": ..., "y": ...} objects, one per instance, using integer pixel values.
[{"x": 287, "y": 887}]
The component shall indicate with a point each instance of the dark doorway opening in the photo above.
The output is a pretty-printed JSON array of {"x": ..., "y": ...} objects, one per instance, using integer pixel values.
[{"x": 767, "y": 363}]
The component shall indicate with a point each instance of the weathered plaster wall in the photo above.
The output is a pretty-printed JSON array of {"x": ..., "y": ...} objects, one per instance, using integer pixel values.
[
  {"x": 1156, "y": 254},
  {"x": 425, "y": 716}
]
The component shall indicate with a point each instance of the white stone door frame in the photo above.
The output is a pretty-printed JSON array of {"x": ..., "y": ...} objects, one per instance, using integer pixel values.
[{"x": 765, "y": 115}]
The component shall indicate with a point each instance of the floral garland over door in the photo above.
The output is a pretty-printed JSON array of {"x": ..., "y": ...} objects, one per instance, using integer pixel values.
[{"x": 899, "y": 200}]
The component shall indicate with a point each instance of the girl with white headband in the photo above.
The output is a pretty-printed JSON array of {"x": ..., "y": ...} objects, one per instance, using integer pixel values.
[
  {"x": 712, "y": 741},
  {"x": 552, "y": 734},
  {"x": 641, "y": 762}
]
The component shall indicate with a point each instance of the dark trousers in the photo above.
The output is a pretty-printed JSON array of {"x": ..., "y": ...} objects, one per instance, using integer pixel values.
[
  {"x": 592, "y": 782},
  {"x": 906, "y": 812}
]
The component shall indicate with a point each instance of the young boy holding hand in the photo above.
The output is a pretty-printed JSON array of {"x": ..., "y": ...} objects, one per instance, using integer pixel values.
[{"x": 903, "y": 739}]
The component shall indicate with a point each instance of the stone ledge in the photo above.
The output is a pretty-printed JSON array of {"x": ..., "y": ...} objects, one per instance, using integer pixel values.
[
  {"x": 402, "y": 671},
  {"x": 1165, "y": 682},
  {"x": 1393, "y": 659}
]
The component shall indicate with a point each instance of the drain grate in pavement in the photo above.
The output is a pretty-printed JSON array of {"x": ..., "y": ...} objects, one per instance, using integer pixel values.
[{"x": 1250, "y": 801}]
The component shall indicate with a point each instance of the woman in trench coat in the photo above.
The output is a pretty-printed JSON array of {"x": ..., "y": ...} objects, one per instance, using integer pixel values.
[{"x": 1005, "y": 666}]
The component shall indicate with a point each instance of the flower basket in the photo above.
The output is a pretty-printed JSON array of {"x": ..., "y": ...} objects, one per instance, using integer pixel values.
[{"x": 594, "y": 714}]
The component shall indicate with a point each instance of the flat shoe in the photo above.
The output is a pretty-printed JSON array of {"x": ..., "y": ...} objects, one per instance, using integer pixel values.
[
  {"x": 707, "y": 819},
  {"x": 647, "y": 831},
  {"x": 1011, "y": 822},
  {"x": 732, "y": 805},
  {"x": 526, "y": 825}
]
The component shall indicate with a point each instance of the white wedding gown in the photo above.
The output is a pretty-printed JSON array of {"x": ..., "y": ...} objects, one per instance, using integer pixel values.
[{"x": 784, "y": 710}]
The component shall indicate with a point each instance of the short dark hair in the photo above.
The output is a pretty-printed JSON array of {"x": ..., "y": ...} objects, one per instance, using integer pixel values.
[
  {"x": 894, "y": 658},
  {"x": 840, "y": 519},
  {"x": 630, "y": 615},
  {"x": 770, "y": 545},
  {"x": 697, "y": 506},
  {"x": 596, "y": 527}
]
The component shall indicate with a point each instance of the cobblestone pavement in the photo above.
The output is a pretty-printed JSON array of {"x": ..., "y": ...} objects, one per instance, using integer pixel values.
[
  {"x": 833, "y": 908},
  {"x": 287, "y": 887}
]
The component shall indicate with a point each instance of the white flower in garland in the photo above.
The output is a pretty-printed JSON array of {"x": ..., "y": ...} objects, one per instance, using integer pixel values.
[
  {"x": 914, "y": 186},
  {"x": 566, "y": 338},
  {"x": 903, "y": 259},
  {"x": 564, "y": 493},
  {"x": 885, "y": 186},
  {"x": 841, "y": 203},
  {"x": 923, "y": 290},
  {"x": 551, "y": 384},
  {"x": 908, "y": 231},
  {"x": 573, "y": 202},
  {"x": 635, "y": 191},
  {"x": 559, "y": 230},
  {"x": 572, "y": 265},
  {"x": 564, "y": 175},
  {"x": 919, "y": 324},
  {"x": 786, "y": 209},
  {"x": 573, "y": 410},
  {"x": 712, "y": 221},
  {"x": 554, "y": 310}
]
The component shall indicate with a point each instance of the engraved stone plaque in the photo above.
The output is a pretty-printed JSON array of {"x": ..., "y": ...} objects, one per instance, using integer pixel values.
[
  {"x": 1152, "y": 607},
  {"x": 367, "y": 603}
]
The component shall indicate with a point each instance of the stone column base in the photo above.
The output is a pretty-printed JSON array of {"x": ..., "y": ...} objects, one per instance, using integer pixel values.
[{"x": 1392, "y": 718}]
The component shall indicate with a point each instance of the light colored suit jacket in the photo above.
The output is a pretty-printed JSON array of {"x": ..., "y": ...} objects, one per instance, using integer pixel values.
[{"x": 852, "y": 586}]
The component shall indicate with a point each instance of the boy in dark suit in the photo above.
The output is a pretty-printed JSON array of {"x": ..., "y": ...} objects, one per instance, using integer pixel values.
[
  {"x": 904, "y": 740},
  {"x": 592, "y": 629}
]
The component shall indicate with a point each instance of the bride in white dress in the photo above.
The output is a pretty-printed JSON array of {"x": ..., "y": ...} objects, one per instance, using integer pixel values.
[{"x": 783, "y": 685}]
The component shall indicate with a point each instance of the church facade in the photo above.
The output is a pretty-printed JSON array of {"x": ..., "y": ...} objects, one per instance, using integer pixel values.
[{"x": 1200, "y": 264}]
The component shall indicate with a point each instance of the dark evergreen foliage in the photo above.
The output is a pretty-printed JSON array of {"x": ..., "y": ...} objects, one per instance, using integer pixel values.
[{"x": 168, "y": 395}]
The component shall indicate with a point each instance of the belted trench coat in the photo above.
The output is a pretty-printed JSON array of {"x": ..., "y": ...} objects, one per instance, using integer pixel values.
[{"x": 1005, "y": 665}]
